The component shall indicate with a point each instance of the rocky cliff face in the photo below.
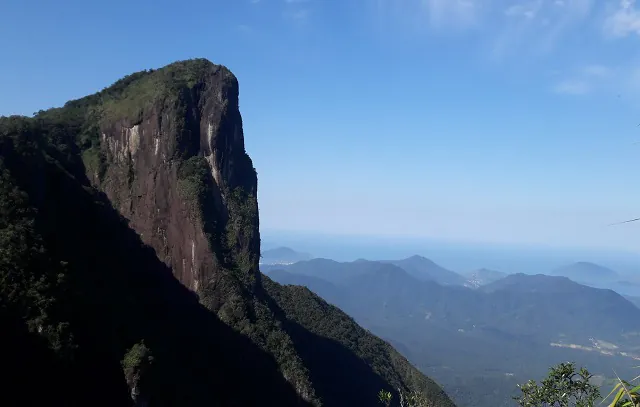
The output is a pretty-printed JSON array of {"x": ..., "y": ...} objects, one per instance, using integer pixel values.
[
  {"x": 115, "y": 210},
  {"x": 154, "y": 161}
]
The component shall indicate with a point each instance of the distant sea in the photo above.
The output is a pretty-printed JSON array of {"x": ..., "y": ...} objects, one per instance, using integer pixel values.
[{"x": 457, "y": 256}]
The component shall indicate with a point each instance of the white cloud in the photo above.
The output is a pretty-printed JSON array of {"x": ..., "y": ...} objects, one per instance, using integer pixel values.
[
  {"x": 527, "y": 10},
  {"x": 528, "y": 32},
  {"x": 558, "y": 10},
  {"x": 553, "y": 14},
  {"x": 452, "y": 13},
  {"x": 549, "y": 16},
  {"x": 536, "y": 26},
  {"x": 441, "y": 15},
  {"x": 572, "y": 87},
  {"x": 624, "y": 20}
]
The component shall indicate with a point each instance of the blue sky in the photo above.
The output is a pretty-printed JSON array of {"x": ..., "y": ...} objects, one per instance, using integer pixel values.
[{"x": 464, "y": 120}]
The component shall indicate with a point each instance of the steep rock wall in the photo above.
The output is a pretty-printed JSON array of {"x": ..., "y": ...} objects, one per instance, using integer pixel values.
[{"x": 198, "y": 223}]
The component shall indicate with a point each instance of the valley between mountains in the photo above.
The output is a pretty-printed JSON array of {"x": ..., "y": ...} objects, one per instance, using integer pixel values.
[{"x": 481, "y": 334}]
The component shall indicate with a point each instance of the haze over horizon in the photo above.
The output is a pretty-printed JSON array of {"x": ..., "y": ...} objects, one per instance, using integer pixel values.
[
  {"x": 458, "y": 256},
  {"x": 486, "y": 121}
]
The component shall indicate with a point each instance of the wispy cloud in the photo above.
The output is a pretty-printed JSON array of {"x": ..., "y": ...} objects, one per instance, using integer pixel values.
[
  {"x": 501, "y": 27},
  {"x": 537, "y": 26},
  {"x": 452, "y": 13},
  {"x": 490, "y": 13},
  {"x": 440, "y": 15},
  {"x": 594, "y": 78},
  {"x": 299, "y": 16},
  {"x": 572, "y": 87},
  {"x": 624, "y": 20},
  {"x": 527, "y": 10},
  {"x": 538, "y": 31}
]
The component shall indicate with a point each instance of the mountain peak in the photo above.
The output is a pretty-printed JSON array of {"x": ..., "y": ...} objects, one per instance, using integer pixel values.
[
  {"x": 177, "y": 128},
  {"x": 520, "y": 282},
  {"x": 280, "y": 250},
  {"x": 425, "y": 269},
  {"x": 283, "y": 255},
  {"x": 586, "y": 272},
  {"x": 147, "y": 201},
  {"x": 485, "y": 270},
  {"x": 418, "y": 257}
]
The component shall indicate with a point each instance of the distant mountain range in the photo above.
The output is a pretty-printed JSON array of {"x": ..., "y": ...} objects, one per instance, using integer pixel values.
[
  {"x": 426, "y": 270},
  {"x": 504, "y": 328},
  {"x": 598, "y": 276},
  {"x": 282, "y": 255},
  {"x": 587, "y": 273}
]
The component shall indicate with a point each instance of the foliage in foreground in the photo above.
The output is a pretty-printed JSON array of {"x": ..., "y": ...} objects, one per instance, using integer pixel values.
[
  {"x": 136, "y": 364},
  {"x": 625, "y": 394},
  {"x": 563, "y": 387},
  {"x": 413, "y": 399},
  {"x": 566, "y": 387}
]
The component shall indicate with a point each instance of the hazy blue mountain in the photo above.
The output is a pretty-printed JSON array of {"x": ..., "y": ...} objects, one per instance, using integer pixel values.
[
  {"x": 330, "y": 292},
  {"x": 482, "y": 277},
  {"x": 337, "y": 272},
  {"x": 623, "y": 287},
  {"x": 451, "y": 255},
  {"x": 565, "y": 309},
  {"x": 587, "y": 273},
  {"x": 536, "y": 283},
  {"x": 283, "y": 255},
  {"x": 425, "y": 269},
  {"x": 504, "y": 332}
]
